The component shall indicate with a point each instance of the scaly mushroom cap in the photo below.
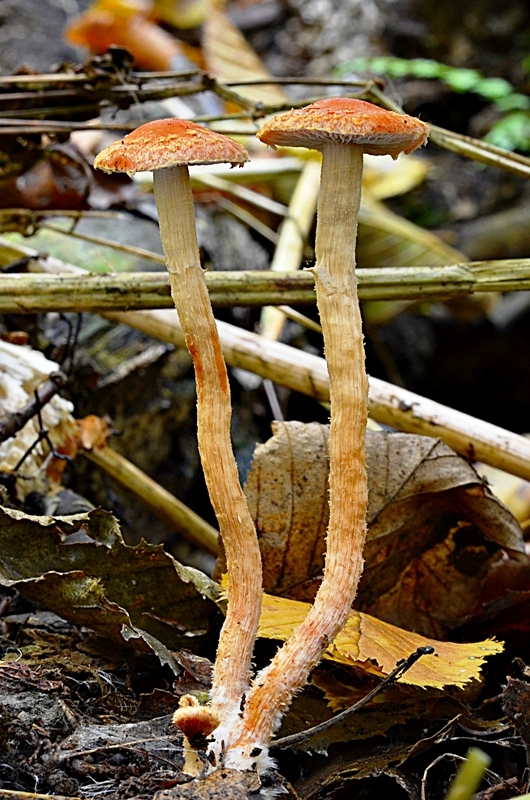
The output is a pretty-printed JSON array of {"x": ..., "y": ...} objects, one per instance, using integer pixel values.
[
  {"x": 169, "y": 143},
  {"x": 346, "y": 120}
]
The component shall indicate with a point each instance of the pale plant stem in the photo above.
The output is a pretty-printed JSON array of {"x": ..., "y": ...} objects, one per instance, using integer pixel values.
[
  {"x": 293, "y": 233},
  {"x": 338, "y": 305},
  {"x": 188, "y": 287}
]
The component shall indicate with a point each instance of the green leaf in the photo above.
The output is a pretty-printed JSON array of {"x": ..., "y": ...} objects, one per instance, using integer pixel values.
[
  {"x": 514, "y": 102},
  {"x": 511, "y": 132},
  {"x": 463, "y": 80},
  {"x": 493, "y": 88},
  {"x": 427, "y": 68}
]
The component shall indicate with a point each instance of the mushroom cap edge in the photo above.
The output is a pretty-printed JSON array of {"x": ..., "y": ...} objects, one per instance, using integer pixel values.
[
  {"x": 346, "y": 120},
  {"x": 166, "y": 143}
]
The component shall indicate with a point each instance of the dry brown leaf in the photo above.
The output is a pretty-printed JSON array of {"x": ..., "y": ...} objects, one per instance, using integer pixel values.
[
  {"x": 435, "y": 531},
  {"x": 376, "y": 646},
  {"x": 286, "y": 492},
  {"x": 79, "y": 567},
  {"x": 229, "y": 57}
]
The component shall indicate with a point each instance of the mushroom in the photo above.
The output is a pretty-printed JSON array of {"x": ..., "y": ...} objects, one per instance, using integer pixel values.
[
  {"x": 342, "y": 129},
  {"x": 167, "y": 147}
]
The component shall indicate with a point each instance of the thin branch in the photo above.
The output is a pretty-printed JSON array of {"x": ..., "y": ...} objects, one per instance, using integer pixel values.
[
  {"x": 43, "y": 436},
  {"x": 10, "y": 424},
  {"x": 39, "y": 293},
  {"x": 159, "y": 500},
  {"x": 401, "y": 667}
]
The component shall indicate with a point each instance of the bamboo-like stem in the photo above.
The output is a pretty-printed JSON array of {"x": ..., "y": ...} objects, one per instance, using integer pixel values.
[
  {"x": 159, "y": 500},
  {"x": 388, "y": 404},
  {"x": 305, "y": 373},
  {"x": 35, "y": 293},
  {"x": 340, "y": 317},
  {"x": 38, "y": 293},
  {"x": 177, "y": 227}
]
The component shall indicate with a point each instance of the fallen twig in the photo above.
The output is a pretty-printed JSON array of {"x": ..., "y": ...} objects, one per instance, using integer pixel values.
[
  {"x": 306, "y": 373},
  {"x": 39, "y": 293},
  {"x": 400, "y": 668}
]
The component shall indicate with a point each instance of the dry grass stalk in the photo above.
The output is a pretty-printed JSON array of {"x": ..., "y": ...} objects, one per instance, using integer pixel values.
[
  {"x": 159, "y": 500},
  {"x": 307, "y": 374}
]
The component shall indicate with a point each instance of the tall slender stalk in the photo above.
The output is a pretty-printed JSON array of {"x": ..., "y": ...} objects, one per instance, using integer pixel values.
[
  {"x": 340, "y": 317},
  {"x": 179, "y": 238}
]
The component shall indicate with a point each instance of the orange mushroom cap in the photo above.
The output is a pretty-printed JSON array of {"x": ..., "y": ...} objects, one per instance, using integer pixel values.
[
  {"x": 346, "y": 120},
  {"x": 169, "y": 143}
]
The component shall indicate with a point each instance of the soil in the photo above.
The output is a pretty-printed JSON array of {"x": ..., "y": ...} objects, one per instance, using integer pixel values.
[{"x": 30, "y": 33}]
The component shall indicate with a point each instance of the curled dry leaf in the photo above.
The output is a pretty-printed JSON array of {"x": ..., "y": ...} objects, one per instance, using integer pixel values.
[
  {"x": 435, "y": 531},
  {"x": 80, "y": 568},
  {"x": 376, "y": 646},
  {"x": 55, "y": 176}
]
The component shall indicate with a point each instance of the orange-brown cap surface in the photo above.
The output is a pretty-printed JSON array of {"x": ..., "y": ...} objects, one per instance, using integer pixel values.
[
  {"x": 169, "y": 143},
  {"x": 346, "y": 120}
]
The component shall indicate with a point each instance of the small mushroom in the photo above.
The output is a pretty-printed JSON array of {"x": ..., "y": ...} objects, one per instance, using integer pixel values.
[
  {"x": 342, "y": 129},
  {"x": 167, "y": 147}
]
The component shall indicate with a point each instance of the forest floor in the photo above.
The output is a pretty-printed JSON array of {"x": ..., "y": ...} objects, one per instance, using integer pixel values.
[{"x": 82, "y": 715}]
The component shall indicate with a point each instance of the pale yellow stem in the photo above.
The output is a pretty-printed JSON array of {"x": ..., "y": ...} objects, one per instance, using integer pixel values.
[
  {"x": 188, "y": 287},
  {"x": 293, "y": 233},
  {"x": 339, "y": 311}
]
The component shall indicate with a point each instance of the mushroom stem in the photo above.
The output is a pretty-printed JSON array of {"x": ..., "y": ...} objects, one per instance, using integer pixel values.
[
  {"x": 188, "y": 287},
  {"x": 336, "y": 286}
]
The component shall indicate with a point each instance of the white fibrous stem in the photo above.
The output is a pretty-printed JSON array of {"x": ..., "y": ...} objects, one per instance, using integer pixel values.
[
  {"x": 274, "y": 687},
  {"x": 188, "y": 287}
]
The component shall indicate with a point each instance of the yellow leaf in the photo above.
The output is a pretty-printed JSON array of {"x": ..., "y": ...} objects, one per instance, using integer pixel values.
[
  {"x": 376, "y": 647},
  {"x": 385, "y": 177}
]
